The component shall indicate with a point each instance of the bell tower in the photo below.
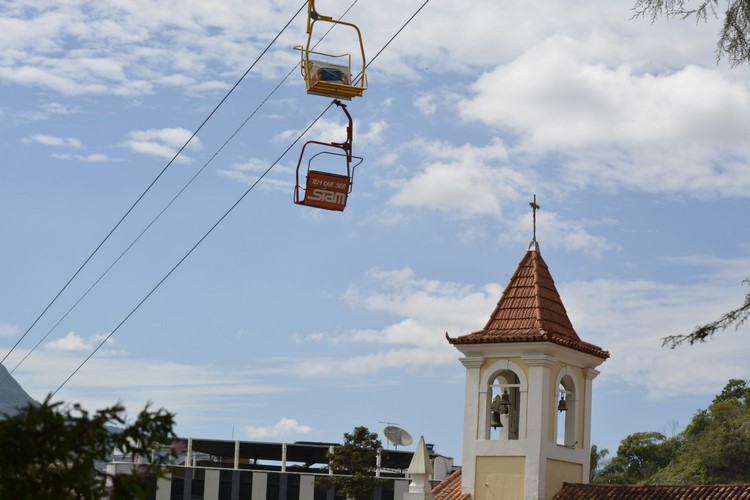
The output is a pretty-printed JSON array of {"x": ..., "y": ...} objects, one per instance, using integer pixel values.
[{"x": 527, "y": 410}]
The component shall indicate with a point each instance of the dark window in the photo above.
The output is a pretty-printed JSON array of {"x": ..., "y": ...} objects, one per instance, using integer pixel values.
[
  {"x": 325, "y": 493},
  {"x": 386, "y": 491},
  {"x": 272, "y": 486},
  {"x": 225, "y": 484},
  {"x": 321, "y": 492},
  {"x": 246, "y": 485},
  {"x": 292, "y": 486},
  {"x": 178, "y": 483},
  {"x": 198, "y": 484}
]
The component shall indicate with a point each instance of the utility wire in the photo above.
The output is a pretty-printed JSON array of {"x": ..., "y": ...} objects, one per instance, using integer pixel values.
[
  {"x": 174, "y": 198},
  {"x": 397, "y": 33},
  {"x": 252, "y": 186},
  {"x": 216, "y": 108},
  {"x": 224, "y": 216}
]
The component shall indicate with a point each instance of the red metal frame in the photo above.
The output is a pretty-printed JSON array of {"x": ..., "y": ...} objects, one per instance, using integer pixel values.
[{"x": 328, "y": 190}]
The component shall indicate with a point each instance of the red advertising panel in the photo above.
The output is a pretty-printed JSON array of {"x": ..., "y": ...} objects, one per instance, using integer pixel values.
[{"x": 328, "y": 191}]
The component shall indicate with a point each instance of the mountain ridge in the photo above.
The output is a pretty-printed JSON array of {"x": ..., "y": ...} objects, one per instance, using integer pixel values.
[{"x": 12, "y": 395}]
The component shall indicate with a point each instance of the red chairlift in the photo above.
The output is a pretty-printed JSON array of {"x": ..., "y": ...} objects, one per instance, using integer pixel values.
[{"x": 328, "y": 189}]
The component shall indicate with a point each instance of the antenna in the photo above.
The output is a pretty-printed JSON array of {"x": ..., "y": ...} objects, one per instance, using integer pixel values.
[{"x": 397, "y": 436}]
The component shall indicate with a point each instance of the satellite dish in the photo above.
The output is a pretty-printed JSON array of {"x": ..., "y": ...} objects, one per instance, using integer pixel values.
[{"x": 398, "y": 436}]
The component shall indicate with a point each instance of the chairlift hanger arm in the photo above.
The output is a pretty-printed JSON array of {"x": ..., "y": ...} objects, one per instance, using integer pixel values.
[
  {"x": 312, "y": 15},
  {"x": 346, "y": 145}
]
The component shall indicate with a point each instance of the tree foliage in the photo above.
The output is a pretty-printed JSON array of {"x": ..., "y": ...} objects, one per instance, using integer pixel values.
[
  {"x": 734, "y": 37},
  {"x": 51, "y": 450},
  {"x": 714, "y": 448},
  {"x": 736, "y": 317},
  {"x": 638, "y": 457},
  {"x": 597, "y": 463},
  {"x": 717, "y": 442},
  {"x": 354, "y": 462}
]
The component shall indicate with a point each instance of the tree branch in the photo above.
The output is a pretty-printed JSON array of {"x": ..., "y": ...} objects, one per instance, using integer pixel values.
[
  {"x": 734, "y": 37},
  {"x": 736, "y": 317}
]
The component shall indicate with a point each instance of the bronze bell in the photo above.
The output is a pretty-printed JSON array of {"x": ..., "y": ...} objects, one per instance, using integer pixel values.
[
  {"x": 562, "y": 405},
  {"x": 505, "y": 403},
  {"x": 496, "y": 423}
]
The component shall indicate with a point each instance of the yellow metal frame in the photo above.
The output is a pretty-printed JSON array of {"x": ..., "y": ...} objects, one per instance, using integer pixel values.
[{"x": 335, "y": 90}]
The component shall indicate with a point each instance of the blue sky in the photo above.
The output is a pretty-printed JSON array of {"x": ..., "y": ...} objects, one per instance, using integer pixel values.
[{"x": 290, "y": 323}]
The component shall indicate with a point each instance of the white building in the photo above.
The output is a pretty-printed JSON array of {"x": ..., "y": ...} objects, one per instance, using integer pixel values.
[
  {"x": 254, "y": 470},
  {"x": 527, "y": 416}
]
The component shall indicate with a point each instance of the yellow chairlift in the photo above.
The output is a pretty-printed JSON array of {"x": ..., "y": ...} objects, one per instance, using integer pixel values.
[{"x": 330, "y": 75}]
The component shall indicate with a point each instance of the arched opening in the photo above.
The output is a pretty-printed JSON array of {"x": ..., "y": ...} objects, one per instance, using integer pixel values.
[
  {"x": 567, "y": 411},
  {"x": 505, "y": 406}
]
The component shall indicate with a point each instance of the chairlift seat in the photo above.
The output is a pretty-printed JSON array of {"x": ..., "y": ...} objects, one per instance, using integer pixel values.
[
  {"x": 325, "y": 189},
  {"x": 331, "y": 80},
  {"x": 332, "y": 76},
  {"x": 325, "y": 72}
]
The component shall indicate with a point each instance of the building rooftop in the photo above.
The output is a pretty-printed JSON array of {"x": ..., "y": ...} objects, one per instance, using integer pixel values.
[
  {"x": 450, "y": 488},
  {"x": 645, "y": 492},
  {"x": 530, "y": 310},
  {"x": 307, "y": 454}
]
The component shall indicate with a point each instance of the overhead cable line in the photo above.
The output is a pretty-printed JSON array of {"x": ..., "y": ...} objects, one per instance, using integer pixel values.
[
  {"x": 224, "y": 216},
  {"x": 215, "y": 109},
  {"x": 216, "y": 224},
  {"x": 395, "y": 35},
  {"x": 164, "y": 209}
]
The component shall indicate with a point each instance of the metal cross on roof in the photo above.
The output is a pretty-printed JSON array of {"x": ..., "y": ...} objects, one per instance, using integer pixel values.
[{"x": 534, "y": 208}]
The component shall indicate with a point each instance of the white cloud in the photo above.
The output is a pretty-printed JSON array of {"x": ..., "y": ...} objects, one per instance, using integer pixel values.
[
  {"x": 408, "y": 360},
  {"x": 163, "y": 142},
  {"x": 58, "y": 108},
  {"x": 84, "y": 47},
  {"x": 627, "y": 317},
  {"x": 45, "y": 111},
  {"x": 464, "y": 181},
  {"x": 425, "y": 103},
  {"x": 630, "y": 319},
  {"x": 371, "y": 135},
  {"x": 279, "y": 178},
  {"x": 43, "y": 77},
  {"x": 437, "y": 305},
  {"x": 174, "y": 137},
  {"x": 8, "y": 330},
  {"x": 51, "y": 140},
  {"x": 426, "y": 308},
  {"x": 679, "y": 131},
  {"x": 326, "y": 130},
  {"x": 90, "y": 158},
  {"x": 573, "y": 235},
  {"x": 151, "y": 148},
  {"x": 285, "y": 427},
  {"x": 198, "y": 394},
  {"x": 74, "y": 342},
  {"x": 124, "y": 49},
  {"x": 575, "y": 103},
  {"x": 313, "y": 338}
]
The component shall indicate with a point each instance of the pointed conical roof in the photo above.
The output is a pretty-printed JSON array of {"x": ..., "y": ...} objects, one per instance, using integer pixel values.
[
  {"x": 420, "y": 461},
  {"x": 530, "y": 310}
]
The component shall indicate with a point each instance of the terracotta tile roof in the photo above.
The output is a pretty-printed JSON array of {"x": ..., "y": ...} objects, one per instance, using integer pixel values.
[
  {"x": 638, "y": 492},
  {"x": 450, "y": 488},
  {"x": 530, "y": 310}
]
